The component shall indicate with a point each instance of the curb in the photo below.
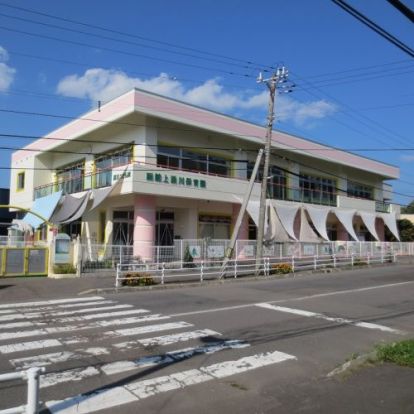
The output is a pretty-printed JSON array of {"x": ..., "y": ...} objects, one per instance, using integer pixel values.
[{"x": 353, "y": 364}]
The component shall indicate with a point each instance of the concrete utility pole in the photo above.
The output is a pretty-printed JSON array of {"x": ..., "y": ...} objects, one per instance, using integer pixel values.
[{"x": 278, "y": 77}]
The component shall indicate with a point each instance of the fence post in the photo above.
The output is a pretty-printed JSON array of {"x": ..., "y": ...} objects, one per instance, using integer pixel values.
[
  {"x": 201, "y": 270},
  {"x": 293, "y": 264},
  {"x": 382, "y": 255},
  {"x": 315, "y": 265},
  {"x": 235, "y": 269},
  {"x": 32, "y": 375},
  {"x": 120, "y": 254},
  {"x": 367, "y": 259},
  {"x": 334, "y": 260},
  {"x": 352, "y": 259},
  {"x": 162, "y": 273},
  {"x": 117, "y": 275},
  {"x": 394, "y": 257}
]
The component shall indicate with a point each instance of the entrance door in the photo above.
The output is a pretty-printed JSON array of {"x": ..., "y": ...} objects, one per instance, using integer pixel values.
[{"x": 123, "y": 228}]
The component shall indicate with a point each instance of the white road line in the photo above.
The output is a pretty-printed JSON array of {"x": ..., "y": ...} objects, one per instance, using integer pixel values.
[
  {"x": 117, "y": 396},
  {"x": 56, "y": 357},
  {"x": 41, "y": 344},
  {"x": 101, "y": 315},
  {"x": 93, "y": 325},
  {"x": 150, "y": 328},
  {"x": 19, "y": 325},
  {"x": 170, "y": 357},
  {"x": 171, "y": 339},
  {"x": 299, "y": 298},
  {"x": 49, "y": 302},
  {"x": 70, "y": 375},
  {"x": 309, "y": 314},
  {"x": 53, "y": 313},
  {"x": 6, "y": 311}
]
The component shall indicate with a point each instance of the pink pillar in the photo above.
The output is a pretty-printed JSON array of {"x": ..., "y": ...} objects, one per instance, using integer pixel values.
[
  {"x": 144, "y": 226},
  {"x": 379, "y": 227},
  {"x": 244, "y": 228}
]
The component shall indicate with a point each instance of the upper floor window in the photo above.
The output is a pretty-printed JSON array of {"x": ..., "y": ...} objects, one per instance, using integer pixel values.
[
  {"x": 359, "y": 190},
  {"x": 317, "y": 190},
  {"x": 70, "y": 178},
  {"x": 20, "y": 181},
  {"x": 276, "y": 185},
  {"x": 104, "y": 164},
  {"x": 192, "y": 161}
]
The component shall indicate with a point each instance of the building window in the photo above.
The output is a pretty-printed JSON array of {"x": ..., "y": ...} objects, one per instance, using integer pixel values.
[
  {"x": 164, "y": 228},
  {"x": 252, "y": 230},
  {"x": 276, "y": 185},
  {"x": 214, "y": 227},
  {"x": 104, "y": 164},
  {"x": 317, "y": 190},
  {"x": 360, "y": 191},
  {"x": 20, "y": 181},
  {"x": 192, "y": 161},
  {"x": 123, "y": 227},
  {"x": 70, "y": 178},
  {"x": 73, "y": 229}
]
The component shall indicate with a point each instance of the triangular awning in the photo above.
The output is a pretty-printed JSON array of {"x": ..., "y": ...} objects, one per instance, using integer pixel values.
[
  {"x": 369, "y": 222},
  {"x": 69, "y": 207},
  {"x": 286, "y": 214},
  {"x": 391, "y": 222},
  {"x": 319, "y": 215},
  {"x": 306, "y": 232},
  {"x": 346, "y": 219},
  {"x": 44, "y": 206},
  {"x": 275, "y": 230},
  {"x": 78, "y": 214}
]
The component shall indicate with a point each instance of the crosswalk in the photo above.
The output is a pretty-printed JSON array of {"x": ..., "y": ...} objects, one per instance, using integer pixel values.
[{"x": 94, "y": 341}]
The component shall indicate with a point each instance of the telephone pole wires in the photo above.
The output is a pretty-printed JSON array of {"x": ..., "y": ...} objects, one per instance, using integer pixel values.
[{"x": 278, "y": 81}]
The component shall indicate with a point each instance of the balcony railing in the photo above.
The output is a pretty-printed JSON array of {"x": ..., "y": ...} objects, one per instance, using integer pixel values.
[{"x": 382, "y": 207}]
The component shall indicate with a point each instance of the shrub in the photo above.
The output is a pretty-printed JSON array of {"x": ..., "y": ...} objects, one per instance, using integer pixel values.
[
  {"x": 359, "y": 262},
  {"x": 138, "y": 279},
  {"x": 401, "y": 353},
  {"x": 281, "y": 268},
  {"x": 64, "y": 268}
]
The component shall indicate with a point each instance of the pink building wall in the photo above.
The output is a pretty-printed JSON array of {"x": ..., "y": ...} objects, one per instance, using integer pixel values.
[{"x": 144, "y": 226}]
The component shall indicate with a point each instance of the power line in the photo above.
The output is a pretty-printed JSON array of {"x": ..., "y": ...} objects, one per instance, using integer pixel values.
[
  {"x": 107, "y": 49},
  {"x": 131, "y": 35},
  {"x": 375, "y": 27},
  {"x": 402, "y": 8}
]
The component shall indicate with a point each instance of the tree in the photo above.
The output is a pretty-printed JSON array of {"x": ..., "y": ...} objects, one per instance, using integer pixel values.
[
  {"x": 406, "y": 229},
  {"x": 409, "y": 209}
]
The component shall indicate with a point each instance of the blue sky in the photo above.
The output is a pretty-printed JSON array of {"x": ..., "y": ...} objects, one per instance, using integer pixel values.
[{"x": 354, "y": 89}]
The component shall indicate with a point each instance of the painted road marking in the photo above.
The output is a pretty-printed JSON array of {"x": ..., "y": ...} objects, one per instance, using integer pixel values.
[
  {"x": 70, "y": 328},
  {"x": 299, "y": 298},
  {"x": 309, "y": 314},
  {"x": 49, "y": 302},
  {"x": 53, "y": 313},
  {"x": 113, "y": 397},
  {"x": 147, "y": 329},
  {"x": 118, "y": 367}
]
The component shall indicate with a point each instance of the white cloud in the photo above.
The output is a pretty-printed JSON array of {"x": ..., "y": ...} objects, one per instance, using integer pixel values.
[
  {"x": 6, "y": 72},
  {"x": 99, "y": 84}
]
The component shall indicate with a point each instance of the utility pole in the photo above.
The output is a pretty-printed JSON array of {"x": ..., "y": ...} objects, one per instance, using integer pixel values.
[{"x": 275, "y": 82}]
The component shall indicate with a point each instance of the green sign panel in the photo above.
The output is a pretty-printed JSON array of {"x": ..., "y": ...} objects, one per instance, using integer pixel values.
[{"x": 176, "y": 180}]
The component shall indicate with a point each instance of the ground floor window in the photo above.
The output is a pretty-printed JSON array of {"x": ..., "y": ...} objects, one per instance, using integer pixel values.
[
  {"x": 72, "y": 229},
  {"x": 214, "y": 227},
  {"x": 252, "y": 230},
  {"x": 123, "y": 227}
]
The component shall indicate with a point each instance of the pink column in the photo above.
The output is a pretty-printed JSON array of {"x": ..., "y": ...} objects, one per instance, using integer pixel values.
[
  {"x": 144, "y": 226},
  {"x": 244, "y": 228}
]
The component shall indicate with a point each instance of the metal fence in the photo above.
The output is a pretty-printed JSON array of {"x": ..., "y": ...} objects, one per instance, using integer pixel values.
[
  {"x": 97, "y": 257},
  {"x": 23, "y": 261},
  {"x": 32, "y": 377},
  {"x": 155, "y": 273}
]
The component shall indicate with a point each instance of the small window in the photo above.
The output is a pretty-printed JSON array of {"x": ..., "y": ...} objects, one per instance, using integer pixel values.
[{"x": 20, "y": 181}]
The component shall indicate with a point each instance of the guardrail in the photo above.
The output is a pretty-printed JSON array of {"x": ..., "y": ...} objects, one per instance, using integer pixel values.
[
  {"x": 155, "y": 273},
  {"x": 32, "y": 376}
]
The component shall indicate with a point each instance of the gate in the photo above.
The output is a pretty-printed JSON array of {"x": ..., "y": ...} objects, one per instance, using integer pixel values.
[{"x": 23, "y": 261}]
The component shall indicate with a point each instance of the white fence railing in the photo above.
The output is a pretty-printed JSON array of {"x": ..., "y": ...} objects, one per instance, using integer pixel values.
[
  {"x": 161, "y": 273},
  {"x": 32, "y": 377}
]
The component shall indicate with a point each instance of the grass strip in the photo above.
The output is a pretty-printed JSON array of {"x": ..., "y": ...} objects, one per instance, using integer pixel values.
[{"x": 401, "y": 353}]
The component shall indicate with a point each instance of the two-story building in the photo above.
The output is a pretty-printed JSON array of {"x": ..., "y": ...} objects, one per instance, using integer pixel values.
[{"x": 144, "y": 170}]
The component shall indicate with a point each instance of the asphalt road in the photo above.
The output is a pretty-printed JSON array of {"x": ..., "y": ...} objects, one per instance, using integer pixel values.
[{"x": 245, "y": 347}]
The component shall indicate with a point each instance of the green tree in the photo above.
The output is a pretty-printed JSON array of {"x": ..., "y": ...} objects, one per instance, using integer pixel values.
[{"x": 409, "y": 209}]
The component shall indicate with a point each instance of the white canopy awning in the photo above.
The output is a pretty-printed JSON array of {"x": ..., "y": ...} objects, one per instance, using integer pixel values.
[
  {"x": 369, "y": 222},
  {"x": 391, "y": 222},
  {"x": 306, "y": 232},
  {"x": 253, "y": 207},
  {"x": 275, "y": 230},
  {"x": 346, "y": 218},
  {"x": 286, "y": 214},
  {"x": 318, "y": 216},
  {"x": 80, "y": 211},
  {"x": 69, "y": 207}
]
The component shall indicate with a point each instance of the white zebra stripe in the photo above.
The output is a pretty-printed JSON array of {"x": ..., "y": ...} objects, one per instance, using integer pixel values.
[
  {"x": 179, "y": 337},
  {"x": 150, "y": 328},
  {"x": 49, "y": 302},
  {"x": 113, "y": 397},
  {"x": 41, "y": 344}
]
